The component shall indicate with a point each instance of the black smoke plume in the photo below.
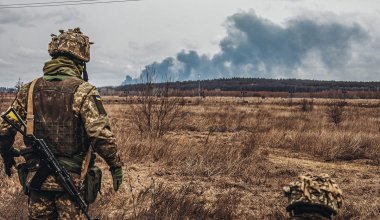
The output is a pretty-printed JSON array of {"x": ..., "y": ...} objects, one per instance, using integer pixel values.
[{"x": 256, "y": 47}]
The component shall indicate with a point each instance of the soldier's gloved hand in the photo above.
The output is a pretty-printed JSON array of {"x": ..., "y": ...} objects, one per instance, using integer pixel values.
[
  {"x": 8, "y": 160},
  {"x": 117, "y": 177}
]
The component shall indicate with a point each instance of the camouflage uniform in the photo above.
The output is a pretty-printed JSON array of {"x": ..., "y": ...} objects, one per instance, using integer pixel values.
[
  {"x": 50, "y": 201},
  {"x": 45, "y": 205},
  {"x": 313, "y": 197}
]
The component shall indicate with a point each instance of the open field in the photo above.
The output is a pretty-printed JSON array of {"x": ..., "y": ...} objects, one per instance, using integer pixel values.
[{"x": 225, "y": 158}]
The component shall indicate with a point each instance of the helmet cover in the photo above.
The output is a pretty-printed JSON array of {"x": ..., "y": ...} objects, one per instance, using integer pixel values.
[
  {"x": 316, "y": 190},
  {"x": 71, "y": 42}
]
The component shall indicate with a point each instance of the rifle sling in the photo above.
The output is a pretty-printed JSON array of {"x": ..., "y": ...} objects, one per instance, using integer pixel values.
[
  {"x": 30, "y": 113},
  {"x": 39, "y": 178}
]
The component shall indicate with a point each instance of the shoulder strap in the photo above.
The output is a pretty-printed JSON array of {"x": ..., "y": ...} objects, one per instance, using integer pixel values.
[{"x": 30, "y": 114}]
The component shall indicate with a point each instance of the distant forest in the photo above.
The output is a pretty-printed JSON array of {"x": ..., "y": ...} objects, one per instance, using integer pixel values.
[
  {"x": 7, "y": 90},
  {"x": 271, "y": 85},
  {"x": 252, "y": 87},
  {"x": 260, "y": 87}
]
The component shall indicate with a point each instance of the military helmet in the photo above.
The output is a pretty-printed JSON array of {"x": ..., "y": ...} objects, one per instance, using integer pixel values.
[
  {"x": 71, "y": 42},
  {"x": 318, "y": 191}
]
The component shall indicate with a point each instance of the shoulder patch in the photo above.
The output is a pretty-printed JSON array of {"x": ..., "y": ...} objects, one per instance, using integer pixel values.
[
  {"x": 97, "y": 97},
  {"x": 99, "y": 104}
]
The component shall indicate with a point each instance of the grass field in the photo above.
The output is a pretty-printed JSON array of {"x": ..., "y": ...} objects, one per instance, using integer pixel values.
[{"x": 225, "y": 158}]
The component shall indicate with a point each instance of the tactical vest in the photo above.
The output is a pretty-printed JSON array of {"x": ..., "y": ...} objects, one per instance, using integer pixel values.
[{"x": 54, "y": 118}]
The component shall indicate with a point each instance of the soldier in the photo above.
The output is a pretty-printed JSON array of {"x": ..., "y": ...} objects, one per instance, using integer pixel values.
[
  {"x": 67, "y": 112},
  {"x": 313, "y": 197}
]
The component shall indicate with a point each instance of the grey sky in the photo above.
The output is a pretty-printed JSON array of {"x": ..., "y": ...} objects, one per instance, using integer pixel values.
[{"x": 129, "y": 36}]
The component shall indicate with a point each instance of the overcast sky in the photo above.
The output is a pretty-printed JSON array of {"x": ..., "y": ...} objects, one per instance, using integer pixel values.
[{"x": 324, "y": 39}]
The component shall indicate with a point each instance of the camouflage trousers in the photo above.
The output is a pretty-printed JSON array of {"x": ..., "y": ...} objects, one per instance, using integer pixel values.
[{"x": 52, "y": 205}]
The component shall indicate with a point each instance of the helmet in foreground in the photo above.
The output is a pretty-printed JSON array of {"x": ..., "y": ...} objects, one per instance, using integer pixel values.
[
  {"x": 71, "y": 42},
  {"x": 314, "y": 194}
]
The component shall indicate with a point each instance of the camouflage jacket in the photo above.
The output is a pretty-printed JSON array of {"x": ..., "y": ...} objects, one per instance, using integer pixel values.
[{"x": 96, "y": 124}]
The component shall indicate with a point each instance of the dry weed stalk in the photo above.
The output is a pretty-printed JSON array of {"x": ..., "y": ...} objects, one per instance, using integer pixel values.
[{"x": 164, "y": 202}]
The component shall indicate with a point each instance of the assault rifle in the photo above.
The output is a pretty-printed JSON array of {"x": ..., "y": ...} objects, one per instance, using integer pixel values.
[{"x": 47, "y": 158}]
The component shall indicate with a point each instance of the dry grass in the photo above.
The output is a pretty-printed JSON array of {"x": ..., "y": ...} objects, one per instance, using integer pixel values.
[{"x": 229, "y": 160}]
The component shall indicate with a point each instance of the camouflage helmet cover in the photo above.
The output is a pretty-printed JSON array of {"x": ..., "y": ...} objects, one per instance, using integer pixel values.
[
  {"x": 316, "y": 190},
  {"x": 72, "y": 42}
]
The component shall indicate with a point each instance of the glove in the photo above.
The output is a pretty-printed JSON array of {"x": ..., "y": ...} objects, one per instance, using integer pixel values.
[
  {"x": 117, "y": 177},
  {"x": 8, "y": 159}
]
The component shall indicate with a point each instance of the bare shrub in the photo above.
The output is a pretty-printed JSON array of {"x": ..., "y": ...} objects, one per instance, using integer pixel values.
[
  {"x": 251, "y": 146},
  {"x": 335, "y": 112},
  {"x": 306, "y": 105},
  {"x": 158, "y": 111}
]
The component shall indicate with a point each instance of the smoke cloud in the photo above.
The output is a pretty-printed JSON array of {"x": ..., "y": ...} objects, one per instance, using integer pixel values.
[{"x": 256, "y": 47}]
